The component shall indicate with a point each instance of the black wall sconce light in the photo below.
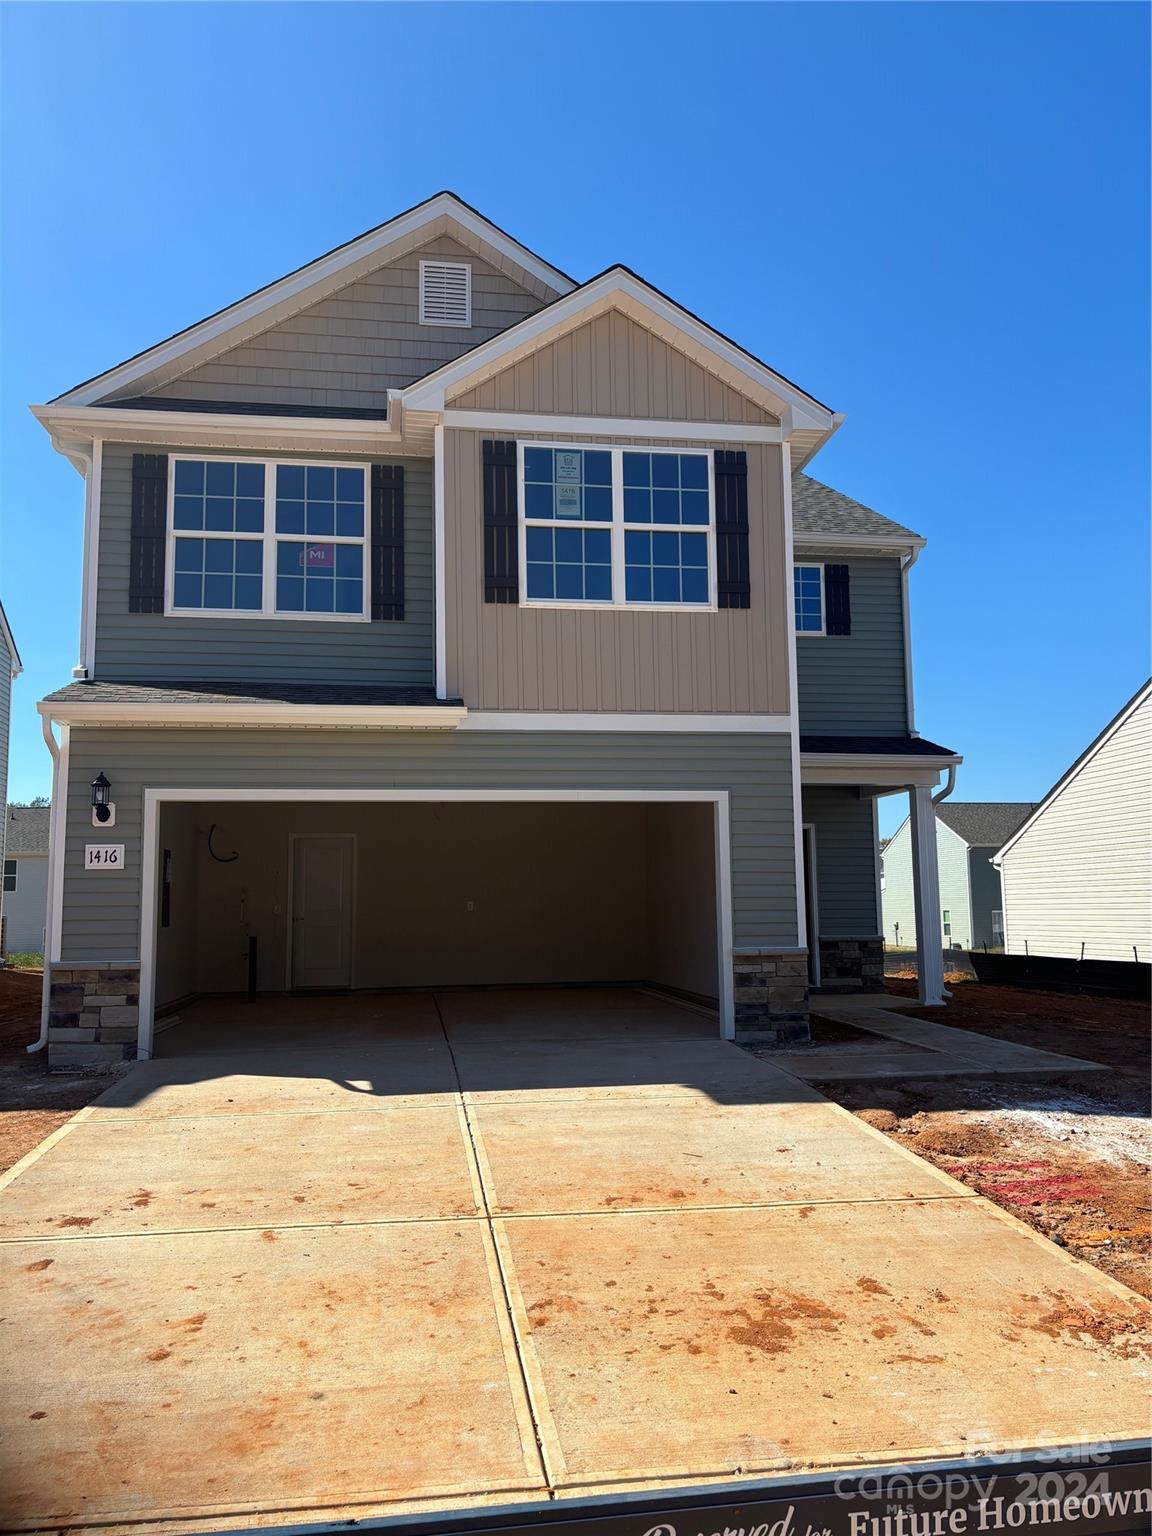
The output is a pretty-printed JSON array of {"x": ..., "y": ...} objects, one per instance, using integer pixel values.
[{"x": 103, "y": 811}]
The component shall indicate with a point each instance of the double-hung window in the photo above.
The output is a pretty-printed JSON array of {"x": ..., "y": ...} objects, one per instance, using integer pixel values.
[
  {"x": 809, "y": 585},
  {"x": 617, "y": 527},
  {"x": 10, "y": 868},
  {"x": 264, "y": 539}
]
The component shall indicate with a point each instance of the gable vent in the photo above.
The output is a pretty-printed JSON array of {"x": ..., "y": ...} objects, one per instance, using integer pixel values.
[{"x": 445, "y": 293}]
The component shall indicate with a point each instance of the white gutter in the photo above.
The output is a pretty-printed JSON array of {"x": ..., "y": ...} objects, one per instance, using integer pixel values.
[
  {"x": 55, "y": 831},
  {"x": 248, "y": 712}
]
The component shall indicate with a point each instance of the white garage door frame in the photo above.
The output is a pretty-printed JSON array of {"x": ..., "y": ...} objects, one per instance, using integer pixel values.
[{"x": 150, "y": 868}]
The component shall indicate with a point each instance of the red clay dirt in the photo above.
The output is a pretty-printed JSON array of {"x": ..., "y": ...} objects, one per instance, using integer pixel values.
[
  {"x": 33, "y": 1104},
  {"x": 1068, "y": 1155}
]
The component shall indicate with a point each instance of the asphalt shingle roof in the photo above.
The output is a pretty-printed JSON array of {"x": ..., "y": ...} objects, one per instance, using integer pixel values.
[
  {"x": 27, "y": 830},
  {"x": 817, "y": 508},
  {"x": 215, "y": 691},
  {"x": 875, "y": 746},
  {"x": 984, "y": 823}
]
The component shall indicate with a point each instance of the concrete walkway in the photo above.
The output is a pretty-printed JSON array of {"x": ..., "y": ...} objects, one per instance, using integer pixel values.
[
  {"x": 521, "y": 1247},
  {"x": 919, "y": 1048}
]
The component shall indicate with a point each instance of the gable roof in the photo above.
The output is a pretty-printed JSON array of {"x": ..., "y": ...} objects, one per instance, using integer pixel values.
[
  {"x": 261, "y": 308},
  {"x": 27, "y": 830},
  {"x": 618, "y": 287},
  {"x": 1139, "y": 697},
  {"x": 818, "y": 509},
  {"x": 14, "y": 662},
  {"x": 984, "y": 823}
]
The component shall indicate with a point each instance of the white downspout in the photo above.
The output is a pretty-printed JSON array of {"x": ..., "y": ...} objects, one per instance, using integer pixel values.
[
  {"x": 55, "y": 831},
  {"x": 909, "y": 698}
]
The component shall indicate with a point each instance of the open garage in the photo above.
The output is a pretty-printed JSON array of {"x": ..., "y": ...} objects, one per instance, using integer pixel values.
[{"x": 277, "y": 898}]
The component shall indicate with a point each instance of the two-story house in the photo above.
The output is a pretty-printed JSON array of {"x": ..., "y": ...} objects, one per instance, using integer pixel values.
[{"x": 447, "y": 621}]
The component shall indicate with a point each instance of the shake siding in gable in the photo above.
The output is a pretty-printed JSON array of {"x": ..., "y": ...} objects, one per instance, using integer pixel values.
[
  {"x": 612, "y": 366},
  {"x": 1082, "y": 872},
  {"x": 158, "y": 648},
  {"x": 101, "y": 913},
  {"x": 508, "y": 656},
  {"x": 352, "y": 347},
  {"x": 854, "y": 684}
]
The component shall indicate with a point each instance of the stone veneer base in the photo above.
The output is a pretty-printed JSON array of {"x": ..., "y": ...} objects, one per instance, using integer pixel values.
[
  {"x": 93, "y": 1014},
  {"x": 770, "y": 996},
  {"x": 852, "y": 965}
]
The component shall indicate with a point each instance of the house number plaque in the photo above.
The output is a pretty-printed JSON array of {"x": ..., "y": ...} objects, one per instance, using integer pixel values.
[{"x": 104, "y": 856}]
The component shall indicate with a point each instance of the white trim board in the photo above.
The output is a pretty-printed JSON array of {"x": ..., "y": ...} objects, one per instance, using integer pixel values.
[
  {"x": 150, "y": 863},
  {"x": 262, "y": 309},
  {"x": 252, "y": 713},
  {"x": 611, "y": 426}
]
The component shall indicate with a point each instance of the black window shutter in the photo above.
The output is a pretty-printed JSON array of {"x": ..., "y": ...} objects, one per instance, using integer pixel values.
[
  {"x": 501, "y": 530},
  {"x": 733, "y": 575},
  {"x": 387, "y": 541},
  {"x": 149, "y": 532},
  {"x": 837, "y": 603}
]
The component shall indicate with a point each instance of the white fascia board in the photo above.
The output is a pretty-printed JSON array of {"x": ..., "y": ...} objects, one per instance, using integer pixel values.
[
  {"x": 895, "y": 772},
  {"x": 613, "y": 426},
  {"x": 15, "y": 663},
  {"x": 70, "y": 425},
  {"x": 542, "y": 720},
  {"x": 232, "y": 325},
  {"x": 870, "y": 543},
  {"x": 782, "y": 399},
  {"x": 1077, "y": 767},
  {"x": 382, "y": 717}
]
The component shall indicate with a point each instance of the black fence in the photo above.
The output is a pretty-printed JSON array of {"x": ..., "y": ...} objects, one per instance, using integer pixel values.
[{"x": 1057, "y": 973}]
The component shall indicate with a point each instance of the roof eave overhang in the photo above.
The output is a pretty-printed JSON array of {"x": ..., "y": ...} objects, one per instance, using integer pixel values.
[
  {"x": 622, "y": 290},
  {"x": 73, "y": 429},
  {"x": 887, "y": 771},
  {"x": 254, "y": 714},
  {"x": 870, "y": 544}
]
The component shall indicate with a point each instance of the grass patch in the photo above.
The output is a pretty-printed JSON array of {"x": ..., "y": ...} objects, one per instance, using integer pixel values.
[{"x": 25, "y": 959}]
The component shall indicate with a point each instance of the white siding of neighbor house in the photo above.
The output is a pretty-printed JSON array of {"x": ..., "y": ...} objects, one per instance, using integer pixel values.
[
  {"x": 1081, "y": 873},
  {"x": 24, "y": 908},
  {"x": 897, "y": 895}
]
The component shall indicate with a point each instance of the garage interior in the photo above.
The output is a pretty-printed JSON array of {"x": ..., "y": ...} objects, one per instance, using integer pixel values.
[{"x": 277, "y": 898}]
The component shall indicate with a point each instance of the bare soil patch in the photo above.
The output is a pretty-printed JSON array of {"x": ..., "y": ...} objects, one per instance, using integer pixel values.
[
  {"x": 33, "y": 1102},
  {"x": 1069, "y": 1155}
]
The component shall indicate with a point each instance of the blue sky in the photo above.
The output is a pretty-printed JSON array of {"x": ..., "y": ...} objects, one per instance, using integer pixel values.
[{"x": 933, "y": 217}]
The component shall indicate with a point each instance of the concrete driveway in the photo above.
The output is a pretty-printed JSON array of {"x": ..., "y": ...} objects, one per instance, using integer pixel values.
[{"x": 507, "y": 1247}]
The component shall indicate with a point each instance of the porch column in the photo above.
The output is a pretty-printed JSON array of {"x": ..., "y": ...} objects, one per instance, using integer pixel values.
[{"x": 926, "y": 896}]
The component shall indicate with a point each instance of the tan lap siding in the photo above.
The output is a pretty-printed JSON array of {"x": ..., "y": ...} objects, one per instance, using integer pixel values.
[
  {"x": 101, "y": 910},
  {"x": 509, "y": 656}
]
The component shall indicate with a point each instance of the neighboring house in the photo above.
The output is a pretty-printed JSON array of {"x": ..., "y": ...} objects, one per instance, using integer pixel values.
[
  {"x": 9, "y": 671},
  {"x": 440, "y": 627},
  {"x": 25, "y": 878},
  {"x": 1077, "y": 875},
  {"x": 968, "y": 833}
]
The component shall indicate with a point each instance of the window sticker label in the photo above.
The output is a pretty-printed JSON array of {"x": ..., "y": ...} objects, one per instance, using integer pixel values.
[{"x": 567, "y": 472}]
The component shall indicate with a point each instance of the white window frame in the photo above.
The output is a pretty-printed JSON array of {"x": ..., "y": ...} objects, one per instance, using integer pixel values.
[
  {"x": 14, "y": 876},
  {"x": 617, "y": 528},
  {"x": 457, "y": 325},
  {"x": 812, "y": 565},
  {"x": 269, "y": 539}
]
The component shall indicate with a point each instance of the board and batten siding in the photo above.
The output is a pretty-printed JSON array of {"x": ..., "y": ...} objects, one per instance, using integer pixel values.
[
  {"x": 845, "y": 840},
  {"x": 101, "y": 909},
  {"x": 512, "y": 656},
  {"x": 854, "y": 684},
  {"x": 1081, "y": 873},
  {"x": 160, "y": 648},
  {"x": 351, "y": 348},
  {"x": 612, "y": 366}
]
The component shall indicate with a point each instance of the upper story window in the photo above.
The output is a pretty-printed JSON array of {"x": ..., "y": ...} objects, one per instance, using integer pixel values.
[
  {"x": 809, "y": 584},
  {"x": 446, "y": 293},
  {"x": 10, "y": 867},
  {"x": 261, "y": 539},
  {"x": 617, "y": 527}
]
